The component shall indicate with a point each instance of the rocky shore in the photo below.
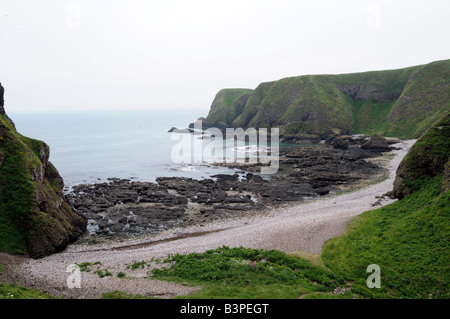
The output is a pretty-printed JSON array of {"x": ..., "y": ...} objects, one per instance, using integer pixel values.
[{"x": 122, "y": 208}]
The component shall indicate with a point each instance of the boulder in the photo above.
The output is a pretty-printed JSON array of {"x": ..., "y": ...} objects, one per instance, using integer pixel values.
[{"x": 376, "y": 142}]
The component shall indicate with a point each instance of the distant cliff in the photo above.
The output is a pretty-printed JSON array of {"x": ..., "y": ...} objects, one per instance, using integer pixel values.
[
  {"x": 35, "y": 218},
  {"x": 400, "y": 103}
]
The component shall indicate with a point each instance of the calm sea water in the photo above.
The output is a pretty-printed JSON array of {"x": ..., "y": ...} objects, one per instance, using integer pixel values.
[{"x": 91, "y": 147}]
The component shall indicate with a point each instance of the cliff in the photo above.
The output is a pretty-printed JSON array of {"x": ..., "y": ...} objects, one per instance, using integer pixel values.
[
  {"x": 227, "y": 104},
  {"x": 400, "y": 103},
  {"x": 35, "y": 218},
  {"x": 429, "y": 157}
]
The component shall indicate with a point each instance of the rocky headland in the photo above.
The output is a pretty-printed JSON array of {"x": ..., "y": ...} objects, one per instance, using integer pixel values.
[{"x": 401, "y": 103}]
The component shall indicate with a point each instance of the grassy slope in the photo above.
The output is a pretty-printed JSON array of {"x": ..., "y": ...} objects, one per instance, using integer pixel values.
[
  {"x": 252, "y": 106},
  {"x": 21, "y": 221},
  {"x": 370, "y": 117},
  {"x": 16, "y": 189},
  {"x": 248, "y": 274},
  {"x": 305, "y": 102},
  {"x": 17, "y": 292},
  {"x": 428, "y": 155},
  {"x": 226, "y": 106},
  {"x": 424, "y": 100},
  {"x": 409, "y": 240}
]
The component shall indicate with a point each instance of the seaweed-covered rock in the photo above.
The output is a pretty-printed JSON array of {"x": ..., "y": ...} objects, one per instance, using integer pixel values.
[{"x": 376, "y": 142}]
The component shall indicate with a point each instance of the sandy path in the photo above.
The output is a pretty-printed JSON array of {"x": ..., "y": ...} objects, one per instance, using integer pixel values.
[{"x": 302, "y": 227}]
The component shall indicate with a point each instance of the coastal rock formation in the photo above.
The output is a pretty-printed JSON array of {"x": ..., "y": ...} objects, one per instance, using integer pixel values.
[
  {"x": 123, "y": 208},
  {"x": 376, "y": 142},
  {"x": 35, "y": 218},
  {"x": 400, "y": 103},
  {"x": 428, "y": 157}
]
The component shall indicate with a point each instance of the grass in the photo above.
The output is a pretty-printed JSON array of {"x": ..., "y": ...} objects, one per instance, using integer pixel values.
[
  {"x": 16, "y": 191},
  {"x": 16, "y": 292},
  {"x": 87, "y": 266},
  {"x": 137, "y": 264},
  {"x": 242, "y": 273},
  {"x": 227, "y": 105},
  {"x": 424, "y": 100},
  {"x": 433, "y": 149},
  {"x": 408, "y": 239},
  {"x": 370, "y": 117}
]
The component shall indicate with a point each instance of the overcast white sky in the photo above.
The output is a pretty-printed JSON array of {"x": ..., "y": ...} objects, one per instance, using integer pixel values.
[{"x": 144, "y": 54}]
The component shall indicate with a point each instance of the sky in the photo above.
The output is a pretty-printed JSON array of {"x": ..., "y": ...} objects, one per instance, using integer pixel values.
[{"x": 66, "y": 55}]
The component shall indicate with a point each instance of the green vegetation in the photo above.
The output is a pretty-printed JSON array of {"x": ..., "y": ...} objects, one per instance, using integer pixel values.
[
  {"x": 103, "y": 273},
  {"x": 409, "y": 240},
  {"x": 87, "y": 266},
  {"x": 35, "y": 219},
  {"x": 248, "y": 273},
  {"x": 424, "y": 100},
  {"x": 16, "y": 190},
  {"x": 370, "y": 118},
  {"x": 16, "y": 292},
  {"x": 137, "y": 264},
  {"x": 400, "y": 103},
  {"x": 227, "y": 104},
  {"x": 425, "y": 160}
]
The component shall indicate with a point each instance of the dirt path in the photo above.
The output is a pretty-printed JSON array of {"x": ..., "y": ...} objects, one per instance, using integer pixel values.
[{"x": 302, "y": 227}]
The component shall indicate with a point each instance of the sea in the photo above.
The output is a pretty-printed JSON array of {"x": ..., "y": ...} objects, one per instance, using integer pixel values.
[{"x": 93, "y": 147}]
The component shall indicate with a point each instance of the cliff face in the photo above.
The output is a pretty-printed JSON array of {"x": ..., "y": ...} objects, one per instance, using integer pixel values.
[
  {"x": 227, "y": 104},
  {"x": 399, "y": 103},
  {"x": 35, "y": 218},
  {"x": 427, "y": 158}
]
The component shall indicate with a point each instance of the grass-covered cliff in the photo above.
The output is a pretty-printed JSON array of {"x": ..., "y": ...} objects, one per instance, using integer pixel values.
[
  {"x": 400, "y": 103},
  {"x": 226, "y": 104},
  {"x": 427, "y": 159},
  {"x": 35, "y": 218}
]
